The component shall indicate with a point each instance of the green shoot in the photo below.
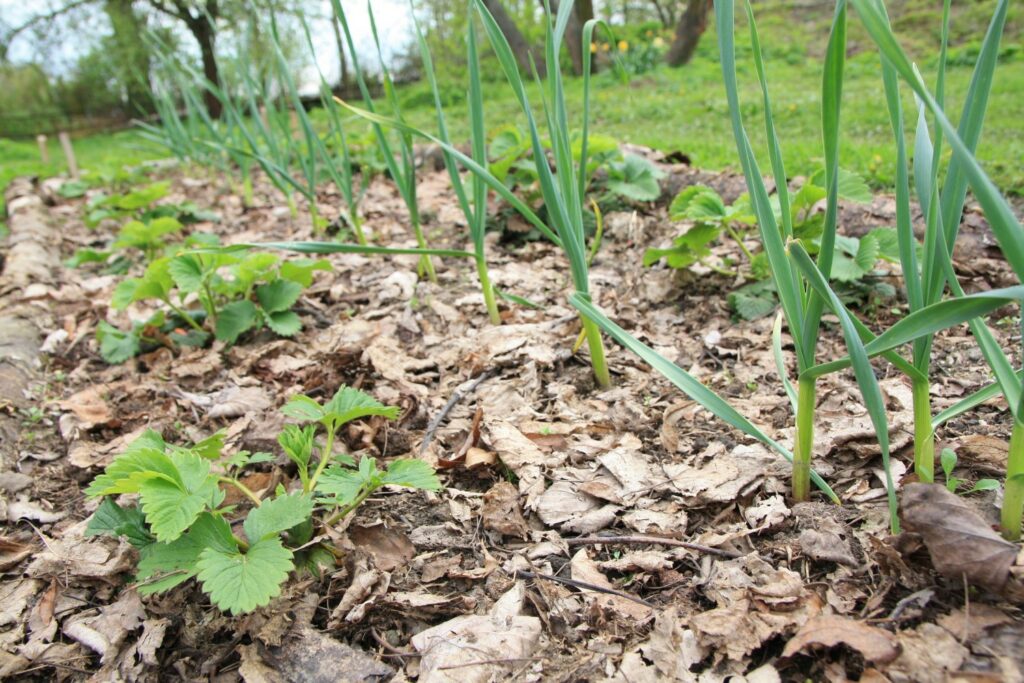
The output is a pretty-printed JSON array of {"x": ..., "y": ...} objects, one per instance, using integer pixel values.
[{"x": 474, "y": 202}]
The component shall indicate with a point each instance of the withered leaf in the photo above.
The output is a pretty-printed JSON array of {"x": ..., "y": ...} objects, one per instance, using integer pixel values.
[
  {"x": 501, "y": 511},
  {"x": 874, "y": 644},
  {"x": 959, "y": 541}
]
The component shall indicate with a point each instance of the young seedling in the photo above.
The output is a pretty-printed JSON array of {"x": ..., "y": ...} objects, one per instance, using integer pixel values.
[
  {"x": 801, "y": 306},
  {"x": 183, "y": 529},
  {"x": 473, "y": 201},
  {"x": 948, "y": 461}
]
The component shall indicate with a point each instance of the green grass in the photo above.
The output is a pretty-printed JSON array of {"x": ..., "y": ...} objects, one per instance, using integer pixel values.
[
  {"x": 102, "y": 158},
  {"x": 685, "y": 109}
]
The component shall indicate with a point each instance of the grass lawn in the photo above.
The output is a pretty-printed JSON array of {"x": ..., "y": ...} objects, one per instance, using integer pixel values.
[
  {"x": 685, "y": 109},
  {"x": 102, "y": 158}
]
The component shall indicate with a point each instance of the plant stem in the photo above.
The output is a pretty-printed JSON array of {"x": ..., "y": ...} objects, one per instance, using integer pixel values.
[
  {"x": 488, "y": 290},
  {"x": 314, "y": 217},
  {"x": 805, "y": 405},
  {"x": 357, "y": 227},
  {"x": 924, "y": 437},
  {"x": 184, "y": 316},
  {"x": 247, "y": 195},
  {"x": 325, "y": 457},
  {"x": 341, "y": 512},
  {"x": 426, "y": 265},
  {"x": 736, "y": 238},
  {"x": 596, "y": 346},
  {"x": 245, "y": 490},
  {"x": 1013, "y": 493}
]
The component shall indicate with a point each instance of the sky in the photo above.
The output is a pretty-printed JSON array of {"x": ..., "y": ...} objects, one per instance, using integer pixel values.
[{"x": 58, "y": 56}]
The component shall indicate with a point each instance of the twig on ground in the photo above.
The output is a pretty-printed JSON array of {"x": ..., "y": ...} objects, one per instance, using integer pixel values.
[
  {"x": 609, "y": 540},
  {"x": 583, "y": 585},
  {"x": 461, "y": 392},
  {"x": 482, "y": 662}
]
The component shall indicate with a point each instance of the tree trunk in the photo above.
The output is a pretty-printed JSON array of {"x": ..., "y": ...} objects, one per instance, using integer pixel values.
[
  {"x": 520, "y": 48},
  {"x": 342, "y": 62},
  {"x": 688, "y": 32},
  {"x": 584, "y": 11},
  {"x": 573, "y": 35},
  {"x": 205, "y": 35},
  {"x": 132, "y": 57}
]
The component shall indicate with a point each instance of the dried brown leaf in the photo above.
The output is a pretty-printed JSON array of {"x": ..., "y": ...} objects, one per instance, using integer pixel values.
[
  {"x": 958, "y": 539},
  {"x": 390, "y": 548},
  {"x": 874, "y": 644},
  {"x": 501, "y": 512}
]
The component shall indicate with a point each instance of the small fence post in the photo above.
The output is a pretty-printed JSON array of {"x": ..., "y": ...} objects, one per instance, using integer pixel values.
[
  {"x": 44, "y": 152},
  {"x": 69, "y": 154}
]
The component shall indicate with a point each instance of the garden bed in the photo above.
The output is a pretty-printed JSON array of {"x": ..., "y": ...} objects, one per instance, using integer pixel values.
[{"x": 496, "y": 576}]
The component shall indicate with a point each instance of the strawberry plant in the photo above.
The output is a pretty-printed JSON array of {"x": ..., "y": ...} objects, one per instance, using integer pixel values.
[
  {"x": 236, "y": 292},
  {"x": 182, "y": 528}
]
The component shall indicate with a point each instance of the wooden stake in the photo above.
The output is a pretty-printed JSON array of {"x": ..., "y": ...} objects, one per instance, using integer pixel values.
[
  {"x": 69, "y": 154},
  {"x": 44, "y": 152}
]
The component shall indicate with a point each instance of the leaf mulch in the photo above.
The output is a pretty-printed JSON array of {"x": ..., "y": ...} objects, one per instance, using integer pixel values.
[{"x": 509, "y": 573}]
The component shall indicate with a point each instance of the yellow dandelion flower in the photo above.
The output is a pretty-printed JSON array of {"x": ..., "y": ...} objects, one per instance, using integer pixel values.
[
  {"x": 623, "y": 46},
  {"x": 604, "y": 47},
  {"x": 659, "y": 41},
  {"x": 593, "y": 48}
]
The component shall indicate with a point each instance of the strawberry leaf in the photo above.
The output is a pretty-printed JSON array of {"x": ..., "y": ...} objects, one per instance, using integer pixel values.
[
  {"x": 277, "y": 515},
  {"x": 240, "y": 582},
  {"x": 411, "y": 473}
]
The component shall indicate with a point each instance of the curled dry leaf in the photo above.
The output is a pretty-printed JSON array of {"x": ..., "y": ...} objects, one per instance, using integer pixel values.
[
  {"x": 478, "y": 648},
  {"x": 501, "y": 511},
  {"x": 89, "y": 407},
  {"x": 586, "y": 570},
  {"x": 826, "y": 546},
  {"x": 237, "y": 401},
  {"x": 959, "y": 541},
  {"x": 312, "y": 657},
  {"x": 390, "y": 548},
  {"x": 874, "y": 644}
]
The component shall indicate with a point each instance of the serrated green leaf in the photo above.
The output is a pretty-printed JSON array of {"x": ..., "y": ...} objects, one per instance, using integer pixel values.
[
  {"x": 635, "y": 178},
  {"x": 142, "y": 197},
  {"x": 187, "y": 272},
  {"x": 753, "y": 301},
  {"x": 114, "y": 520},
  {"x": 341, "y": 483},
  {"x": 277, "y": 515},
  {"x": 284, "y": 323},
  {"x": 303, "y": 408},
  {"x": 239, "y": 583},
  {"x": 888, "y": 244},
  {"x": 411, "y": 473},
  {"x": 211, "y": 446},
  {"x": 172, "y": 506},
  {"x": 301, "y": 270},
  {"x": 254, "y": 267},
  {"x": 279, "y": 295},
  {"x": 116, "y": 346},
  {"x": 234, "y": 319},
  {"x": 688, "y": 248},
  {"x": 296, "y": 441},
  {"x": 213, "y": 531},
  {"x": 697, "y": 202},
  {"x": 348, "y": 403},
  {"x": 128, "y": 470},
  {"x": 163, "y": 566},
  {"x": 867, "y": 252}
]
